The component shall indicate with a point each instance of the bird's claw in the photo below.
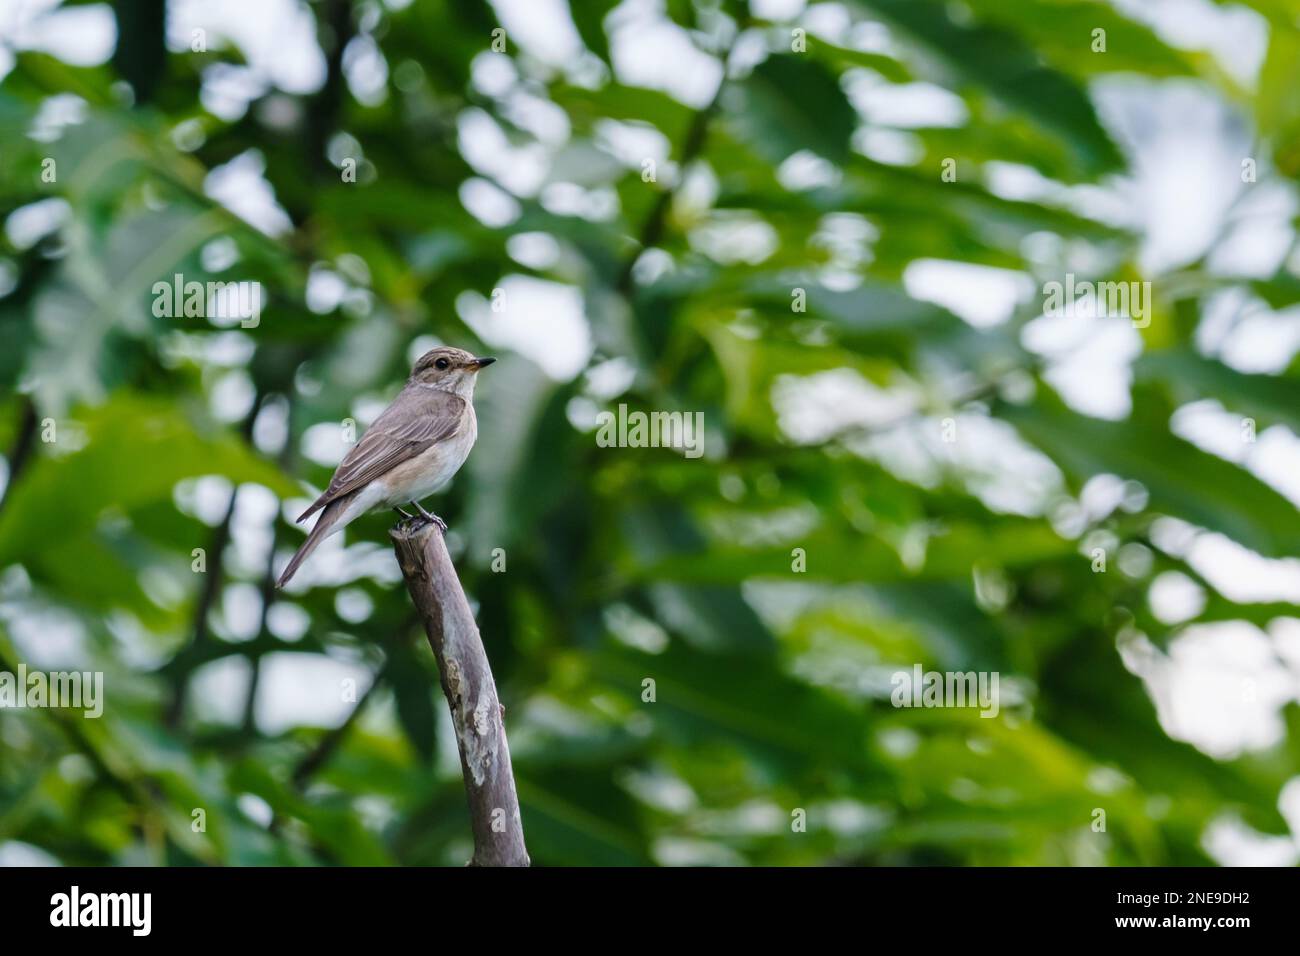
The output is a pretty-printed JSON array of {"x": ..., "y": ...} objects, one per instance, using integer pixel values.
[{"x": 427, "y": 516}]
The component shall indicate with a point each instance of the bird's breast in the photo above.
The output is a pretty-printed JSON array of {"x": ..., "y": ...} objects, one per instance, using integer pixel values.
[{"x": 430, "y": 470}]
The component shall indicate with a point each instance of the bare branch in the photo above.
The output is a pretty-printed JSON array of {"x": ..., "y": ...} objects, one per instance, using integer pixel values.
[{"x": 466, "y": 677}]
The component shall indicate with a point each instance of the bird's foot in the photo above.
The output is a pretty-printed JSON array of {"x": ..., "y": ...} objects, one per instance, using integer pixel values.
[
  {"x": 442, "y": 525},
  {"x": 409, "y": 523}
]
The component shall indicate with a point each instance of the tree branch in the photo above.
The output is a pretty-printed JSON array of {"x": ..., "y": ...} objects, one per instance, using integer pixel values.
[
  {"x": 188, "y": 657},
  {"x": 335, "y": 30},
  {"x": 209, "y": 590},
  {"x": 476, "y": 712},
  {"x": 653, "y": 229}
]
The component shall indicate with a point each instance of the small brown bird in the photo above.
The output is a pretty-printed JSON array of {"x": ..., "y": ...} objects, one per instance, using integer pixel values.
[{"x": 410, "y": 452}]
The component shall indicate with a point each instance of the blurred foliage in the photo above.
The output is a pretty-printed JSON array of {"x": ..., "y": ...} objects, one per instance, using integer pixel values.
[{"x": 772, "y": 687}]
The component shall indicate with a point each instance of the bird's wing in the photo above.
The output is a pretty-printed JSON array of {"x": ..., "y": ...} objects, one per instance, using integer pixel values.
[{"x": 418, "y": 419}]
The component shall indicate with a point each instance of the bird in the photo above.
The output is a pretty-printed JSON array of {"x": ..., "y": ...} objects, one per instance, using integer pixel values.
[{"x": 411, "y": 451}]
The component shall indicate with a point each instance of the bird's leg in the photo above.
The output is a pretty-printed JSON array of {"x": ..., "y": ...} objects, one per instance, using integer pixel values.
[
  {"x": 409, "y": 521},
  {"x": 442, "y": 525}
]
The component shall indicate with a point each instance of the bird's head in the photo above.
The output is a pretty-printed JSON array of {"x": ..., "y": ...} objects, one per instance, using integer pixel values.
[{"x": 448, "y": 368}]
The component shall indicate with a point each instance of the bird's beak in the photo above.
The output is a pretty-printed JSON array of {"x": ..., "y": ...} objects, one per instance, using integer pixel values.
[{"x": 481, "y": 363}]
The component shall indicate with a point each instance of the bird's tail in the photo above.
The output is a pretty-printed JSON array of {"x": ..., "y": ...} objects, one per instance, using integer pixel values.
[{"x": 324, "y": 524}]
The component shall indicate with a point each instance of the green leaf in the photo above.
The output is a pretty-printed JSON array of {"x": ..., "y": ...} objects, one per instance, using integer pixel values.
[
  {"x": 414, "y": 687},
  {"x": 776, "y": 112},
  {"x": 1269, "y": 399},
  {"x": 1002, "y": 62},
  {"x": 626, "y": 103},
  {"x": 589, "y": 18},
  {"x": 844, "y": 58},
  {"x": 1062, "y": 32},
  {"x": 1182, "y": 480},
  {"x": 1089, "y": 698},
  {"x": 1278, "y": 100},
  {"x": 745, "y": 700},
  {"x": 137, "y": 448},
  {"x": 578, "y": 816},
  {"x": 714, "y": 617}
]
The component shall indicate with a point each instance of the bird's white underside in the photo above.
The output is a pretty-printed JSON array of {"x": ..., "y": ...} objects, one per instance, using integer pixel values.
[{"x": 426, "y": 474}]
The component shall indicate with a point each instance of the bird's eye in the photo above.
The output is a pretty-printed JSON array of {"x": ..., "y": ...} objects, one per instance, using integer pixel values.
[{"x": 441, "y": 363}]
